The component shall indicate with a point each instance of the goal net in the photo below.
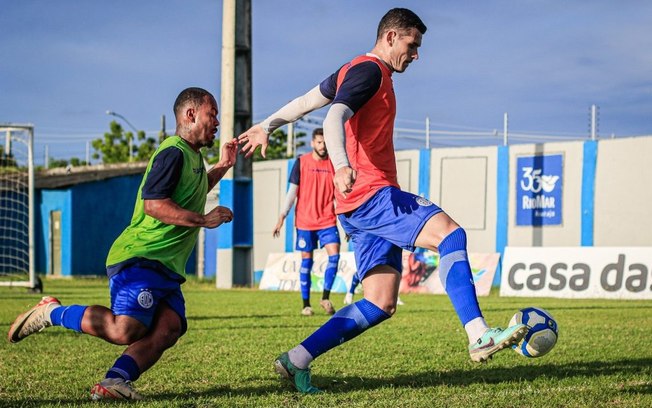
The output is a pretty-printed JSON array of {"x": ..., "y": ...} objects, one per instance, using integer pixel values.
[{"x": 17, "y": 206}]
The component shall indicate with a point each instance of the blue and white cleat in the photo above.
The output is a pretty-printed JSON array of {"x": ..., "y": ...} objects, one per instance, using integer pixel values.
[
  {"x": 494, "y": 340},
  {"x": 299, "y": 378}
]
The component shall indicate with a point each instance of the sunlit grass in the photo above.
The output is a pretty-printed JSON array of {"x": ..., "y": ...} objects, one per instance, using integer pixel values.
[{"x": 417, "y": 358}]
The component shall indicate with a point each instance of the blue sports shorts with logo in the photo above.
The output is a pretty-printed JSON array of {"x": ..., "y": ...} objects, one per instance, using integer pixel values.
[
  {"x": 307, "y": 240},
  {"x": 137, "y": 291},
  {"x": 384, "y": 225}
]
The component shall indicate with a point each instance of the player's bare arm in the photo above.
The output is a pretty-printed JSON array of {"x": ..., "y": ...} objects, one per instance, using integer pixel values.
[
  {"x": 227, "y": 160},
  {"x": 277, "y": 228},
  {"x": 290, "y": 198},
  {"x": 258, "y": 135},
  {"x": 169, "y": 212}
]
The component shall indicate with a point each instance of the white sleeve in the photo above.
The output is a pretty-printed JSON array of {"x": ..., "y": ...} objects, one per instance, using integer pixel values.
[
  {"x": 334, "y": 134},
  {"x": 289, "y": 199},
  {"x": 310, "y": 101}
]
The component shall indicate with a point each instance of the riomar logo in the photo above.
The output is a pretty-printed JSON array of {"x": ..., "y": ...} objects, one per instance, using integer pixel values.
[{"x": 145, "y": 299}]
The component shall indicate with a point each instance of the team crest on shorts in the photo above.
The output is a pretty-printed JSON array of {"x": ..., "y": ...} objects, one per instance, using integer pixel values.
[
  {"x": 302, "y": 243},
  {"x": 424, "y": 202},
  {"x": 145, "y": 299}
]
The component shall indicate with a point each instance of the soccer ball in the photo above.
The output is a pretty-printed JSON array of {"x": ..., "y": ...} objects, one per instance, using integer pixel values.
[{"x": 541, "y": 337}]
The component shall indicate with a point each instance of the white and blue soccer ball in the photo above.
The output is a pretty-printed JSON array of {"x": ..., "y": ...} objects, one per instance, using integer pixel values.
[{"x": 542, "y": 334}]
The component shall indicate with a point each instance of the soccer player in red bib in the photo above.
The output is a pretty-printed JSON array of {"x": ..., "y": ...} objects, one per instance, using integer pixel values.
[
  {"x": 381, "y": 219},
  {"x": 311, "y": 185}
]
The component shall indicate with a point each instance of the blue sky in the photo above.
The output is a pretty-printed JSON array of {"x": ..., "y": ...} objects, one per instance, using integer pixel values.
[{"x": 63, "y": 64}]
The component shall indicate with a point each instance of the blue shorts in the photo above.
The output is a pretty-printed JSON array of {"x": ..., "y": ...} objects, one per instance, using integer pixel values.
[
  {"x": 307, "y": 240},
  {"x": 137, "y": 291},
  {"x": 384, "y": 225}
]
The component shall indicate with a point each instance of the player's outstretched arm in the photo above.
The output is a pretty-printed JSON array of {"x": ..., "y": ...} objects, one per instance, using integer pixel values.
[
  {"x": 258, "y": 135},
  {"x": 169, "y": 212},
  {"x": 227, "y": 160},
  {"x": 255, "y": 136}
]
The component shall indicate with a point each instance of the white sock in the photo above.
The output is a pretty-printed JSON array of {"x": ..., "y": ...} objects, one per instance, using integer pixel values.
[
  {"x": 300, "y": 357},
  {"x": 475, "y": 329}
]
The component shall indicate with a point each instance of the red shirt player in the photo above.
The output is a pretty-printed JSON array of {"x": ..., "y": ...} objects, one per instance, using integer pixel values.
[
  {"x": 381, "y": 219},
  {"x": 311, "y": 185}
]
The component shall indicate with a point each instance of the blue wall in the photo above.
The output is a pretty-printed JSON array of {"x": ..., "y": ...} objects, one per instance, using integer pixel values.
[
  {"x": 47, "y": 201},
  {"x": 100, "y": 211},
  {"x": 93, "y": 214}
]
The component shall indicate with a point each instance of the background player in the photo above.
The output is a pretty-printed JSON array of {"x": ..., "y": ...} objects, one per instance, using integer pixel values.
[
  {"x": 380, "y": 218},
  {"x": 311, "y": 185},
  {"x": 146, "y": 263}
]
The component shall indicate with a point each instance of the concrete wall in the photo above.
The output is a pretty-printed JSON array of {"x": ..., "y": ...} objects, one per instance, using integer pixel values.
[
  {"x": 270, "y": 184},
  {"x": 463, "y": 183},
  {"x": 623, "y": 193},
  {"x": 407, "y": 168},
  {"x": 567, "y": 234},
  {"x": 606, "y": 194}
]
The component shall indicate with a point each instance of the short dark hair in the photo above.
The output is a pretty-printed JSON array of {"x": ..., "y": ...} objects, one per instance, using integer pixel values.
[
  {"x": 317, "y": 132},
  {"x": 192, "y": 95},
  {"x": 400, "y": 19}
]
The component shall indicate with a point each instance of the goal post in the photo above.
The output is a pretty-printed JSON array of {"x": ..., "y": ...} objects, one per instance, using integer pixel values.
[{"x": 17, "y": 265}]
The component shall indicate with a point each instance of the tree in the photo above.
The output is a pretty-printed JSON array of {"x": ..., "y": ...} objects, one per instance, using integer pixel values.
[
  {"x": 114, "y": 147},
  {"x": 7, "y": 160}
]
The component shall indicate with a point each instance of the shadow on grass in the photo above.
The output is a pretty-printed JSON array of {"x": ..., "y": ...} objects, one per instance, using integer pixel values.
[
  {"x": 588, "y": 369},
  {"x": 236, "y": 317},
  {"x": 456, "y": 378}
]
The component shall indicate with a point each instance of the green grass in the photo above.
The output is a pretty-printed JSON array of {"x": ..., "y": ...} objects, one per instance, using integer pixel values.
[{"x": 417, "y": 358}]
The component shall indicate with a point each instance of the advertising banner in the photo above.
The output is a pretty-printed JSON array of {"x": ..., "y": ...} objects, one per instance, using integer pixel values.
[
  {"x": 539, "y": 190},
  {"x": 578, "y": 272},
  {"x": 282, "y": 272},
  {"x": 420, "y": 272}
]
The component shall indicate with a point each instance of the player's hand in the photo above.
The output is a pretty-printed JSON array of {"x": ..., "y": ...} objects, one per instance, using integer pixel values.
[
  {"x": 344, "y": 180},
  {"x": 253, "y": 138},
  {"x": 229, "y": 154},
  {"x": 277, "y": 228},
  {"x": 217, "y": 216}
]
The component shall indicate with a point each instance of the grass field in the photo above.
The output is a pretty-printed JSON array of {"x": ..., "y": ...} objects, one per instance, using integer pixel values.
[{"x": 416, "y": 359}]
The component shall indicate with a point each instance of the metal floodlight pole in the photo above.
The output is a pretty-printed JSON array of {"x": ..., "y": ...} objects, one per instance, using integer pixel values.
[
  {"x": 505, "y": 127},
  {"x": 116, "y": 114},
  {"x": 290, "y": 148},
  {"x": 427, "y": 132},
  {"x": 594, "y": 122}
]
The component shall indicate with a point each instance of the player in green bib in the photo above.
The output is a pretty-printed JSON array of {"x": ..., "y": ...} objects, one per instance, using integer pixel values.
[{"x": 146, "y": 263}]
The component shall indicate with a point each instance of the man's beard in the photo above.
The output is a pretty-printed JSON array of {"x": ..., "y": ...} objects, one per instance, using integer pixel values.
[{"x": 321, "y": 155}]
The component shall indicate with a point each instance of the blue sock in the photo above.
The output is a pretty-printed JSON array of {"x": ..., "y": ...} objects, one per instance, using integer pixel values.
[
  {"x": 354, "y": 283},
  {"x": 347, "y": 323},
  {"x": 304, "y": 277},
  {"x": 69, "y": 317},
  {"x": 455, "y": 274},
  {"x": 331, "y": 271},
  {"x": 124, "y": 367}
]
